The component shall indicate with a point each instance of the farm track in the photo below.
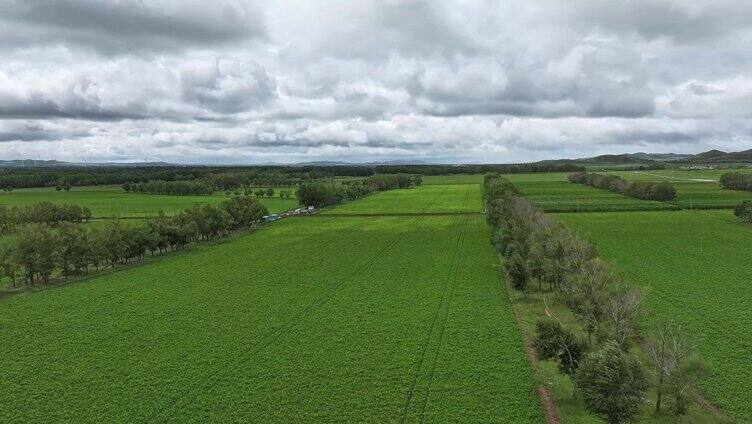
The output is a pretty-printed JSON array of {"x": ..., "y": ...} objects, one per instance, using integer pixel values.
[
  {"x": 274, "y": 335},
  {"x": 432, "y": 346}
]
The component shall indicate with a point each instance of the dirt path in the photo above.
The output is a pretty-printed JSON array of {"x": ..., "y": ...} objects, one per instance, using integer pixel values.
[
  {"x": 701, "y": 180},
  {"x": 544, "y": 393}
]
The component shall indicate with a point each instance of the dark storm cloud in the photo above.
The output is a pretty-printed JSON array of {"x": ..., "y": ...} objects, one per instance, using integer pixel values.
[{"x": 126, "y": 25}]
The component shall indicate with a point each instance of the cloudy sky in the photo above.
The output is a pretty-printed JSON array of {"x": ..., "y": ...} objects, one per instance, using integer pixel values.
[{"x": 234, "y": 81}]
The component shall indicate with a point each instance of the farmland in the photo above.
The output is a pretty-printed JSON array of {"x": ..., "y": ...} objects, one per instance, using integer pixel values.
[
  {"x": 553, "y": 193},
  {"x": 689, "y": 265},
  {"x": 114, "y": 202},
  {"x": 320, "y": 319},
  {"x": 427, "y": 199}
]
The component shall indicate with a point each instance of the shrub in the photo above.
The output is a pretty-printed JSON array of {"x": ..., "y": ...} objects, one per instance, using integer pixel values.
[{"x": 744, "y": 211}]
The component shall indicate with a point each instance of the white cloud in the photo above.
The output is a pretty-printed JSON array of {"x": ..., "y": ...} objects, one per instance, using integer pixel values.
[{"x": 469, "y": 80}]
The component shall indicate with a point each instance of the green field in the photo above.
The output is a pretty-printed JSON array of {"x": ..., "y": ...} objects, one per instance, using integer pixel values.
[
  {"x": 696, "y": 189},
  {"x": 113, "y": 201},
  {"x": 553, "y": 193},
  {"x": 693, "y": 267},
  {"x": 453, "y": 179},
  {"x": 427, "y": 199},
  {"x": 315, "y": 319}
]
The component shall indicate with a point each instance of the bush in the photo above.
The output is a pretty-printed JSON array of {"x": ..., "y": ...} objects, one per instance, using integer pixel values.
[
  {"x": 744, "y": 211},
  {"x": 612, "y": 383}
]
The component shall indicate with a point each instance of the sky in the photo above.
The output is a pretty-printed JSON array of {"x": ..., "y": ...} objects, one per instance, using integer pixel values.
[{"x": 455, "y": 81}]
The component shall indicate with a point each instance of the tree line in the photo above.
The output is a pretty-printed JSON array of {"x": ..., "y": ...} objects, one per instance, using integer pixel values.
[
  {"x": 541, "y": 254},
  {"x": 41, "y": 213},
  {"x": 645, "y": 190},
  {"x": 39, "y": 250},
  {"x": 736, "y": 181},
  {"x": 233, "y": 177},
  {"x": 329, "y": 192}
]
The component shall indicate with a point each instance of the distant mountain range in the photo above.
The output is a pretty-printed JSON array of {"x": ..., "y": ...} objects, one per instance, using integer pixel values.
[{"x": 709, "y": 157}]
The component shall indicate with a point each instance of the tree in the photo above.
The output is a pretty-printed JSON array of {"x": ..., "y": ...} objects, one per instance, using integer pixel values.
[
  {"x": 684, "y": 381},
  {"x": 73, "y": 245},
  {"x": 555, "y": 342},
  {"x": 587, "y": 294},
  {"x": 37, "y": 250},
  {"x": 675, "y": 364},
  {"x": 270, "y": 192},
  {"x": 612, "y": 383},
  {"x": 66, "y": 187},
  {"x": 622, "y": 310},
  {"x": 8, "y": 264},
  {"x": 260, "y": 192},
  {"x": 113, "y": 243}
]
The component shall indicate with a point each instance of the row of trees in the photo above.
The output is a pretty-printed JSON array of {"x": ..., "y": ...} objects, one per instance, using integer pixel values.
[
  {"x": 736, "y": 181},
  {"x": 181, "y": 188},
  {"x": 39, "y": 250},
  {"x": 541, "y": 254},
  {"x": 743, "y": 211},
  {"x": 330, "y": 192},
  {"x": 645, "y": 190},
  {"x": 41, "y": 213}
]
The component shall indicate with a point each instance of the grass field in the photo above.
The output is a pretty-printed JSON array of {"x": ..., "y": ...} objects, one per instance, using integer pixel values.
[
  {"x": 316, "y": 319},
  {"x": 113, "y": 201},
  {"x": 553, "y": 193},
  {"x": 453, "y": 179},
  {"x": 427, "y": 199},
  {"x": 694, "y": 269},
  {"x": 696, "y": 189}
]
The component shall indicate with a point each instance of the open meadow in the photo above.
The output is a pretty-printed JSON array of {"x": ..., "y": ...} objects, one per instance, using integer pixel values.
[
  {"x": 318, "y": 319},
  {"x": 114, "y": 202}
]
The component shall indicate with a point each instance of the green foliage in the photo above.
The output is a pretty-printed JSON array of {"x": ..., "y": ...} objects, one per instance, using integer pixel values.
[
  {"x": 557, "y": 343},
  {"x": 612, "y": 383},
  {"x": 744, "y": 211}
]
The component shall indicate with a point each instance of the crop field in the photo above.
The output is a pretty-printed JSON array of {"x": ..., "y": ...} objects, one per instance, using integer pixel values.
[
  {"x": 113, "y": 201},
  {"x": 427, "y": 199},
  {"x": 693, "y": 267},
  {"x": 553, "y": 193},
  {"x": 453, "y": 179},
  {"x": 317, "y": 319}
]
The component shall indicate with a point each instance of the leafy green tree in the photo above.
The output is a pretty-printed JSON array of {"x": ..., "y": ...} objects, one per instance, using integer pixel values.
[
  {"x": 612, "y": 383},
  {"x": 113, "y": 242},
  {"x": 555, "y": 342},
  {"x": 8, "y": 264},
  {"x": 260, "y": 192},
  {"x": 270, "y": 192}
]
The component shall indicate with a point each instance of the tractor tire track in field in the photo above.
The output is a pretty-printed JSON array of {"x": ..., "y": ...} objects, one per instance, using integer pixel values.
[
  {"x": 164, "y": 414},
  {"x": 436, "y": 332}
]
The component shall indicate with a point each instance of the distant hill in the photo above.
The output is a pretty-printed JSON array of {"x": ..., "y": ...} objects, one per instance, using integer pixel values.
[
  {"x": 711, "y": 156},
  {"x": 718, "y": 156}
]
